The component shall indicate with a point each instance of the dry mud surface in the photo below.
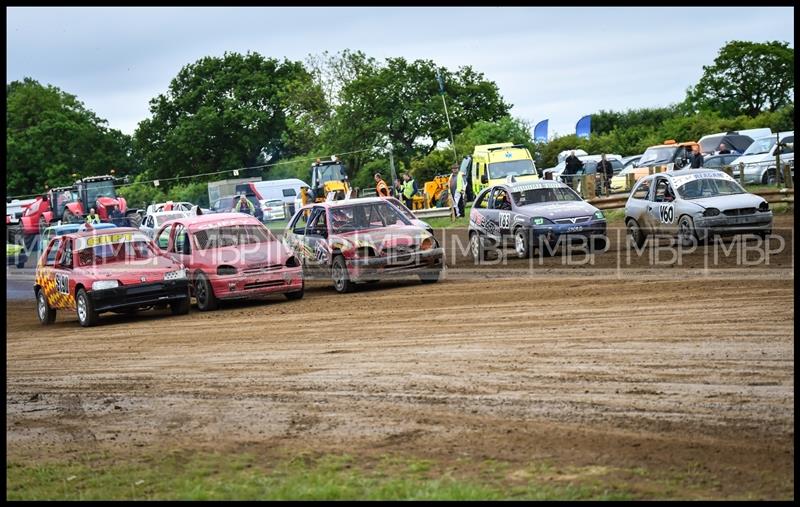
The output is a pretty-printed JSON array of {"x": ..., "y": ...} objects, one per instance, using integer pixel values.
[{"x": 632, "y": 370}]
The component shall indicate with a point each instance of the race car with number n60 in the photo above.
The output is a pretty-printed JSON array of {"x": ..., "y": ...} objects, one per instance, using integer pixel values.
[
  {"x": 694, "y": 205},
  {"x": 118, "y": 270},
  {"x": 533, "y": 215}
]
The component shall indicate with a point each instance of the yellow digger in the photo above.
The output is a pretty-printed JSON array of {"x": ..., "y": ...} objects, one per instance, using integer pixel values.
[
  {"x": 328, "y": 181},
  {"x": 436, "y": 191}
]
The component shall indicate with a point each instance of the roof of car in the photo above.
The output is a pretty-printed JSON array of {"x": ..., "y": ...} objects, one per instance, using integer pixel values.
[
  {"x": 692, "y": 172},
  {"x": 521, "y": 186},
  {"x": 345, "y": 202},
  {"x": 217, "y": 219}
]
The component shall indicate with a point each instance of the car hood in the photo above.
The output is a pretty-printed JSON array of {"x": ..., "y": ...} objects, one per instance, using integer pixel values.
[
  {"x": 131, "y": 272},
  {"x": 380, "y": 239},
  {"x": 273, "y": 252},
  {"x": 556, "y": 210},
  {"x": 725, "y": 202}
]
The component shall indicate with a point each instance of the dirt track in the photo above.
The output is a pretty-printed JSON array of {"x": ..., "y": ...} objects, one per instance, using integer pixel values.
[{"x": 640, "y": 371}]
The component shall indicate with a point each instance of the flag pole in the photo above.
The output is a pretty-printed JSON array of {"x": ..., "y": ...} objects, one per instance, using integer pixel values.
[{"x": 447, "y": 115}]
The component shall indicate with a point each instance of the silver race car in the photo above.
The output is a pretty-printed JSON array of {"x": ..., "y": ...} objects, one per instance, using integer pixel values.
[
  {"x": 532, "y": 215},
  {"x": 694, "y": 205}
]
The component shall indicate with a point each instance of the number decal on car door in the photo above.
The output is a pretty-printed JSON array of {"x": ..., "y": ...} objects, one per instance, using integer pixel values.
[
  {"x": 505, "y": 220},
  {"x": 667, "y": 213}
]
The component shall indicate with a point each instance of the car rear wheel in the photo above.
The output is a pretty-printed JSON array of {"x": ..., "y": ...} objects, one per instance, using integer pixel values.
[
  {"x": 769, "y": 177},
  {"x": 46, "y": 314},
  {"x": 476, "y": 247},
  {"x": 522, "y": 243},
  {"x": 341, "y": 278},
  {"x": 86, "y": 314},
  {"x": 204, "y": 293},
  {"x": 636, "y": 233}
]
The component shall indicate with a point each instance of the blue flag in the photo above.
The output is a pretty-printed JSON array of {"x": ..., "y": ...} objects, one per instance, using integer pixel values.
[
  {"x": 584, "y": 126},
  {"x": 540, "y": 131}
]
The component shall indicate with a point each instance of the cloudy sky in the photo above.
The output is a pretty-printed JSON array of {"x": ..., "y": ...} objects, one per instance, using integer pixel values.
[{"x": 550, "y": 63}]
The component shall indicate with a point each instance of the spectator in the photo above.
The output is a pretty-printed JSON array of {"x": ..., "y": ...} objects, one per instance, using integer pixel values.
[
  {"x": 572, "y": 167},
  {"x": 723, "y": 149},
  {"x": 409, "y": 189},
  {"x": 458, "y": 186},
  {"x": 696, "y": 158},
  {"x": 92, "y": 217},
  {"x": 381, "y": 188},
  {"x": 243, "y": 205},
  {"x": 606, "y": 172}
]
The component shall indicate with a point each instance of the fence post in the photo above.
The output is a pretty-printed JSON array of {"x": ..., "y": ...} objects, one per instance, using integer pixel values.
[
  {"x": 728, "y": 170},
  {"x": 651, "y": 170},
  {"x": 629, "y": 181},
  {"x": 741, "y": 173},
  {"x": 787, "y": 176},
  {"x": 589, "y": 186}
]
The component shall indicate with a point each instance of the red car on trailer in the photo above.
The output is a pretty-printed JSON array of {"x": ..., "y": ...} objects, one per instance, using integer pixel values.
[{"x": 231, "y": 256}]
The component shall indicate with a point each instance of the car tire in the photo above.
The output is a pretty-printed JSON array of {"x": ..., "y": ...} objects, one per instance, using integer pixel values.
[
  {"x": 769, "y": 177},
  {"x": 599, "y": 244},
  {"x": 522, "y": 243},
  {"x": 180, "y": 307},
  {"x": 87, "y": 317},
  {"x": 134, "y": 220},
  {"x": 298, "y": 294},
  {"x": 687, "y": 235},
  {"x": 46, "y": 314},
  {"x": 636, "y": 233},
  {"x": 476, "y": 247},
  {"x": 340, "y": 275},
  {"x": 204, "y": 294}
]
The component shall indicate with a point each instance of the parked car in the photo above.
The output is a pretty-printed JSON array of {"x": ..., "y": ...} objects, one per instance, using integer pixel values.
[
  {"x": 272, "y": 209},
  {"x": 101, "y": 270},
  {"x": 169, "y": 206},
  {"x": 736, "y": 142},
  {"x": 657, "y": 158},
  {"x": 719, "y": 161},
  {"x": 231, "y": 256},
  {"x": 362, "y": 240},
  {"x": 532, "y": 216},
  {"x": 226, "y": 205},
  {"x": 694, "y": 205},
  {"x": 555, "y": 172},
  {"x": 153, "y": 221},
  {"x": 759, "y": 158},
  {"x": 631, "y": 161}
]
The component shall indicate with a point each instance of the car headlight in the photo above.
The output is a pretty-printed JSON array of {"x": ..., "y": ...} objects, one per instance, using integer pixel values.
[
  {"x": 764, "y": 206},
  {"x": 599, "y": 215},
  {"x": 175, "y": 275},
  {"x": 105, "y": 284},
  {"x": 426, "y": 244},
  {"x": 711, "y": 212}
]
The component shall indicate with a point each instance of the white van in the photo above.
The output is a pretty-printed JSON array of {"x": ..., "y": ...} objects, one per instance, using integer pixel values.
[
  {"x": 286, "y": 190},
  {"x": 759, "y": 158}
]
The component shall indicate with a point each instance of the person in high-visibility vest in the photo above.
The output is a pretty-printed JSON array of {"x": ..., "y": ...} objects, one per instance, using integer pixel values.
[
  {"x": 457, "y": 188},
  {"x": 408, "y": 190},
  {"x": 92, "y": 217},
  {"x": 381, "y": 188},
  {"x": 245, "y": 203}
]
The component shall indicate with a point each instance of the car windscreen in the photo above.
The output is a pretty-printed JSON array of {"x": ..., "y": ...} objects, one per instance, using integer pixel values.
[
  {"x": 402, "y": 208},
  {"x": 365, "y": 216},
  {"x": 760, "y": 146},
  {"x": 112, "y": 248},
  {"x": 511, "y": 168},
  {"x": 654, "y": 156},
  {"x": 542, "y": 195},
  {"x": 231, "y": 235},
  {"x": 709, "y": 187}
]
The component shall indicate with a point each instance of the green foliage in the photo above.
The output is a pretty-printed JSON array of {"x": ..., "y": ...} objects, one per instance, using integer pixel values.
[
  {"x": 505, "y": 129},
  {"x": 365, "y": 177},
  {"x": 140, "y": 195},
  {"x": 437, "y": 162},
  {"x": 196, "y": 193},
  {"x": 224, "y": 113},
  {"x": 746, "y": 78},
  {"x": 50, "y": 136}
]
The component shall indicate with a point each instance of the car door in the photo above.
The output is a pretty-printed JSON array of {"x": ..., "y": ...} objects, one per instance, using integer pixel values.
[
  {"x": 52, "y": 285},
  {"x": 492, "y": 216},
  {"x": 63, "y": 275},
  {"x": 639, "y": 201},
  {"x": 316, "y": 239},
  {"x": 180, "y": 246},
  {"x": 661, "y": 210}
]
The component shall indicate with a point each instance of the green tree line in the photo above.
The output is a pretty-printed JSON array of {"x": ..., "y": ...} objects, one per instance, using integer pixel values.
[{"x": 243, "y": 110}]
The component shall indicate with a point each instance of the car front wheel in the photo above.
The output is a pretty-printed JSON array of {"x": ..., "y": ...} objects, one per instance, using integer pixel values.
[
  {"x": 522, "y": 243},
  {"x": 636, "y": 233},
  {"x": 86, "y": 314},
  {"x": 686, "y": 233}
]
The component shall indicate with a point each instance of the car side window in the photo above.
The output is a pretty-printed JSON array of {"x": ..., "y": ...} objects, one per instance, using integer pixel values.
[
  {"x": 65, "y": 258},
  {"x": 787, "y": 145},
  {"x": 163, "y": 238},
  {"x": 482, "y": 202},
  {"x": 300, "y": 221},
  {"x": 317, "y": 223},
  {"x": 642, "y": 190},
  {"x": 663, "y": 191},
  {"x": 181, "y": 245},
  {"x": 500, "y": 199},
  {"x": 51, "y": 253}
]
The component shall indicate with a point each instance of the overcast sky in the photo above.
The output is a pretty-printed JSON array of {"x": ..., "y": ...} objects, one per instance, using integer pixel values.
[{"x": 549, "y": 62}]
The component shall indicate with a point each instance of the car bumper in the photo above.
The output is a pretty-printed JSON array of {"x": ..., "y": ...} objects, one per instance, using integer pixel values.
[
  {"x": 552, "y": 234},
  {"x": 259, "y": 284},
  {"x": 146, "y": 294},
  {"x": 417, "y": 263},
  {"x": 759, "y": 222}
]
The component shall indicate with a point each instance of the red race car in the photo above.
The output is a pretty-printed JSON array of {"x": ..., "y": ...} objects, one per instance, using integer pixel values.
[
  {"x": 362, "y": 240},
  {"x": 231, "y": 256},
  {"x": 101, "y": 270}
]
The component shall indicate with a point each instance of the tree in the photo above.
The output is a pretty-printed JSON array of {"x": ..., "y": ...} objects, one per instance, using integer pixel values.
[
  {"x": 398, "y": 103},
  {"x": 50, "y": 135},
  {"x": 504, "y": 130},
  {"x": 746, "y": 78},
  {"x": 225, "y": 113}
]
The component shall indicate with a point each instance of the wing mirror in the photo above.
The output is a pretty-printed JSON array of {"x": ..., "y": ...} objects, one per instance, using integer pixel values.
[{"x": 484, "y": 179}]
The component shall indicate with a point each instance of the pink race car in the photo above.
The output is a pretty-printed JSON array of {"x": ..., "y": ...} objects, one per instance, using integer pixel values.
[{"x": 231, "y": 256}]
